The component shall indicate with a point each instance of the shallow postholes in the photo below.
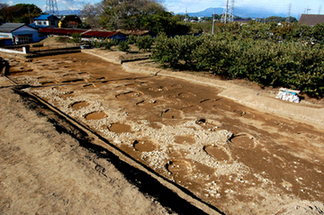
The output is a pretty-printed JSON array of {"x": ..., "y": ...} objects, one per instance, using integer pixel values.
[
  {"x": 69, "y": 74},
  {"x": 179, "y": 168},
  {"x": 190, "y": 109},
  {"x": 88, "y": 86},
  {"x": 156, "y": 119},
  {"x": 217, "y": 152},
  {"x": 67, "y": 95},
  {"x": 155, "y": 89},
  {"x": 147, "y": 104},
  {"x": 128, "y": 95},
  {"x": 186, "y": 95},
  {"x": 53, "y": 68},
  {"x": 20, "y": 72},
  {"x": 242, "y": 113},
  {"x": 172, "y": 114},
  {"x": 208, "y": 124},
  {"x": 99, "y": 84},
  {"x": 205, "y": 100},
  {"x": 119, "y": 128},
  {"x": 80, "y": 104},
  {"x": 187, "y": 139},
  {"x": 46, "y": 83},
  {"x": 243, "y": 141},
  {"x": 96, "y": 115},
  {"x": 144, "y": 145},
  {"x": 174, "y": 86},
  {"x": 73, "y": 80}
]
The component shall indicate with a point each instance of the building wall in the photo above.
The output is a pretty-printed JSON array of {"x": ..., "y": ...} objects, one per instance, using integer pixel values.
[
  {"x": 27, "y": 31},
  {"x": 49, "y": 23},
  {"x": 2, "y": 35}
]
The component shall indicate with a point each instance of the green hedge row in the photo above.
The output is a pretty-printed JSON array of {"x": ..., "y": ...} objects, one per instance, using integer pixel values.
[{"x": 294, "y": 65}]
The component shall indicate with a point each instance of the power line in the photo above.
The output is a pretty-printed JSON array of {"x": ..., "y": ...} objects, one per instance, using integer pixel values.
[{"x": 51, "y": 7}]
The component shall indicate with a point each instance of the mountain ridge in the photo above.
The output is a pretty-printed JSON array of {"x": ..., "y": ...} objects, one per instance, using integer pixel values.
[{"x": 238, "y": 11}]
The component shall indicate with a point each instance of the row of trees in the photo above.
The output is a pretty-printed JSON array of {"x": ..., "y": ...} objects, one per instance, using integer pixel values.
[
  {"x": 132, "y": 14},
  {"x": 262, "y": 53},
  {"x": 19, "y": 13}
]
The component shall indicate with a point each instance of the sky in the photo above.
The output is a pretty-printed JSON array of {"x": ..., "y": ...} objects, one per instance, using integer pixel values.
[{"x": 297, "y": 7}]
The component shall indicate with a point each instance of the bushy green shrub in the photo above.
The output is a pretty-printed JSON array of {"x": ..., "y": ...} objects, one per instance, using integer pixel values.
[
  {"x": 144, "y": 42},
  {"x": 132, "y": 39},
  {"x": 76, "y": 38},
  {"x": 123, "y": 46},
  {"x": 296, "y": 65}
]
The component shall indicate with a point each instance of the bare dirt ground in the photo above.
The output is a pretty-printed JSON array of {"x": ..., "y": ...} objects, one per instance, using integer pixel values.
[{"x": 235, "y": 148}]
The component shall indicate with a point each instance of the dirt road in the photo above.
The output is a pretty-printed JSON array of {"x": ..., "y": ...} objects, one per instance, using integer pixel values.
[{"x": 233, "y": 158}]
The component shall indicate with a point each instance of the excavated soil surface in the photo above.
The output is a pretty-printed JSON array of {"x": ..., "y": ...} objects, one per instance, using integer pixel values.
[{"x": 234, "y": 158}]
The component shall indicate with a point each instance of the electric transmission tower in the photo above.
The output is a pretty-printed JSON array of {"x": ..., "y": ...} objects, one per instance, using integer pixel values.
[
  {"x": 228, "y": 13},
  {"x": 51, "y": 7},
  {"x": 289, "y": 10}
]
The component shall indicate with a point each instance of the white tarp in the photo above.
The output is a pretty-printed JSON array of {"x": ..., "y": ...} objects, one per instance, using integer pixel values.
[{"x": 288, "y": 95}]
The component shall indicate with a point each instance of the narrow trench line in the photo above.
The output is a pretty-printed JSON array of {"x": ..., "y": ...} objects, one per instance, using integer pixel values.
[{"x": 168, "y": 193}]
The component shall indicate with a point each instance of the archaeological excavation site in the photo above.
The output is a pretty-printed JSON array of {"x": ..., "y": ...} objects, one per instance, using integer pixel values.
[{"x": 219, "y": 146}]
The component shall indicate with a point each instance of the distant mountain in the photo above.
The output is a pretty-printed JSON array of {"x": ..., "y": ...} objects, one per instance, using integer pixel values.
[
  {"x": 238, "y": 11},
  {"x": 69, "y": 12}
]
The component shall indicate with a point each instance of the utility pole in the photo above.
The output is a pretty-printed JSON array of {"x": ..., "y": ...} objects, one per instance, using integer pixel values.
[
  {"x": 289, "y": 10},
  {"x": 228, "y": 9},
  {"x": 232, "y": 11},
  {"x": 29, "y": 15},
  {"x": 226, "y": 12},
  {"x": 213, "y": 22},
  {"x": 186, "y": 17}
]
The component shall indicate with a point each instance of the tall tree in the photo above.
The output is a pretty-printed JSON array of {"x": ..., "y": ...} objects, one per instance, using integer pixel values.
[
  {"x": 92, "y": 14},
  {"x": 128, "y": 14},
  {"x": 19, "y": 13}
]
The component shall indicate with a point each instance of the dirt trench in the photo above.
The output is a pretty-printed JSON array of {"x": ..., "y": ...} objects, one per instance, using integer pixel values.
[{"x": 234, "y": 158}]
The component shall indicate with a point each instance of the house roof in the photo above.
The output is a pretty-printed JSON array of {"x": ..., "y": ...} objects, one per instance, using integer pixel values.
[
  {"x": 136, "y": 32},
  {"x": 10, "y": 27},
  {"x": 309, "y": 19},
  {"x": 61, "y": 31},
  {"x": 105, "y": 34},
  {"x": 46, "y": 17}
]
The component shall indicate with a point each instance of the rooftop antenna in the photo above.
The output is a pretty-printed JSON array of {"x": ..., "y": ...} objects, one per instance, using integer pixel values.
[
  {"x": 319, "y": 10},
  {"x": 51, "y": 7},
  {"x": 308, "y": 9}
]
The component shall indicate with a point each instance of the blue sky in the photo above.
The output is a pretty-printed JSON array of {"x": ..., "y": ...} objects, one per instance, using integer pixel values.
[{"x": 297, "y": 6}]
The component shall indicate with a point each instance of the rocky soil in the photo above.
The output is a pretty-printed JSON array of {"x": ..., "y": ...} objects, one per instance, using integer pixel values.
[{"x": 234, "y": 148}]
